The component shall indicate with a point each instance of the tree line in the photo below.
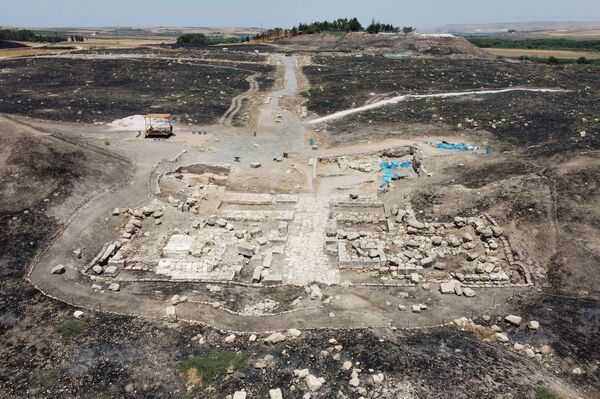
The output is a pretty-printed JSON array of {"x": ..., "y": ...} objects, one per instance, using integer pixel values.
[
  {"x": 535, "y": 44},
  {"x": 26, "y": 35},
  {"x": 343, "y": 25}
]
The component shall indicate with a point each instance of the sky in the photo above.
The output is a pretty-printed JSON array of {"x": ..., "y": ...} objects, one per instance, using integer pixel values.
[{"x": 286, "y": 13}]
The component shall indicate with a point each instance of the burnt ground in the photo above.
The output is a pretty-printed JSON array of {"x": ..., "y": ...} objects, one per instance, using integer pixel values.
[
  {"x": 244, "y": 53},
  {"x": 116, "y": 356},
  {"x": 92, "y": 91},
  {"x": 113, "y": 356},
  {"x": 549, "y": 121}
]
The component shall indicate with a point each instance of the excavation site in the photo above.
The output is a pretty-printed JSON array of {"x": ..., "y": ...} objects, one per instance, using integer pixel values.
[{"x": 309, "y": 215}]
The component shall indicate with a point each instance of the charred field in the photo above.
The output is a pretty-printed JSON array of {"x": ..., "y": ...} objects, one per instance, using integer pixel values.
[{"x": 101, "y": 90}]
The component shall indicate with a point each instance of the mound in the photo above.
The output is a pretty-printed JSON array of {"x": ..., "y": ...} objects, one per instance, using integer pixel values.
[{"x": 384, "y": 44}]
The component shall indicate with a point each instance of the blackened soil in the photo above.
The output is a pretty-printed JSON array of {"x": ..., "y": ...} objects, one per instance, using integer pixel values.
[
  {"x": 545, "y": 123},
  {"x": 103, "y": 90}
]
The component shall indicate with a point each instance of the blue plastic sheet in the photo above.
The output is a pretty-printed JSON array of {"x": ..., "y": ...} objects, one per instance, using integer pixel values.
[
  {"x": 455, "y": 146},
  {"x": 389, "y": 169}
]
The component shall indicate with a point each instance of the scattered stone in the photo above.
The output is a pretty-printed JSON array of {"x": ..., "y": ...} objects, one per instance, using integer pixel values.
[
  {"x": 347, "y": 365},
  {"x": 353, "y": 195},
  {"x": 116, "y": 212},
  {"x": 416, "y": 308},
  {"x": 514, "y": 320},
  {"x": 439, "y": 266},
  {"x": 301, "y": 373},
  {"x": 533, "y": 325},
  {"x": 518, "y": 347},
  {"x": 529, "y": 353},
  {"x": 274, "y": 338},
  {"x": 453, "y": 241},
  {"x": 252, "y": 338},
  {"x": 246, "y": 250},
  {"x": 114, "y": 287},
  {"x": 436, "y": 240},
  {"x": 293, "y": 333},
  {"x": 354, "y": 382},
  {"x": 468, "y": 292},
  {"x": 378, "y": 378},
  {"x": 239, "y": 395},
  {"x": 171, "y": 314},
  {"x": 275, "y": 394},
  {"x": 546, "y": 350},
  {"x": 78, "y": 314},
  {"x": 255, "y": 165},
  {"x": 315, "y": 292},
  {"x": 401, "y": 308},
  {"x": 111, "y": 271},
  {"x": 577, "y": 371},
  {"x": 313, "y": 383},
  {"x": 230, "y": 339},
  {"x": 501, "y": 337},
  {"x": 239, "y": 234},
  {"x": 447, "y": 288},
  {"x": 58, "y": 269}
]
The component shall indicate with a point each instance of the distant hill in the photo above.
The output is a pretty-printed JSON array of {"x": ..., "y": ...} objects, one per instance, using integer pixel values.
[
  {"x": 361, "y": 42},
  {"x": 517, "y": 26}
]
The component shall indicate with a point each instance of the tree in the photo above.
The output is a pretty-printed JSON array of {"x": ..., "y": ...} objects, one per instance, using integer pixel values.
[
  {"x": 408, "y": 29},
  {"x": 193, "y": 38},
  {"x": 583, "y": 60},
  {"x": 354, "y": 25},
  {"x": 552, "y": 60}
]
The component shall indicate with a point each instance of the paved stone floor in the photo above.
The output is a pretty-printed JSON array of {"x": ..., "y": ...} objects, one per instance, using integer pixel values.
[{"x": 306, "y": 261}]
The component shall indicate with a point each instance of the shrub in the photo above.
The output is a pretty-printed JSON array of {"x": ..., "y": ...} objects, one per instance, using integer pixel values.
[
  {"x": 545, "y": 393},
  {"x": 552, "y": 60},
  {"x": 204, "y": 370},
  {"x": 69, "y": 328},
  {"x": 582, "y": 60}
]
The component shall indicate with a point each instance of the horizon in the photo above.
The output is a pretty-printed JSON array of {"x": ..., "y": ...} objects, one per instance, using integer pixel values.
[
  {"x": 290, "y": 26},
  {"x": 270, "y": 13}
]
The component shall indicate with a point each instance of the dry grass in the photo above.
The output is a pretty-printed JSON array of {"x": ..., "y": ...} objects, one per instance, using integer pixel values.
[
  {"x": 17, "y": 52},
  {"x": 591, "y": 33},
  {"x": 481, "y": 332},
  {"x": 517, "y": 52}
]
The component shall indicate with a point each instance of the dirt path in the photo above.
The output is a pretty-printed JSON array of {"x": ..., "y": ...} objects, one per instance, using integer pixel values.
[
  {"x": 408, "y": 97},
  {"x": 237, "y": 102}
]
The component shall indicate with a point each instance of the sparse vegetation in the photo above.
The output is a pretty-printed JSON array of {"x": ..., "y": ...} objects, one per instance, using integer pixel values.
[
  {"x": 43, "y": 378},
  {"x": 545, "y": 393},
  {"x": 69, "y": 329},
  {"x": 206, "y": 369}
]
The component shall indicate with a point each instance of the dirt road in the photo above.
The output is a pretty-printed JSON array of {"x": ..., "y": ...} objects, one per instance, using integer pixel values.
[{"x": 408, "y": 97}]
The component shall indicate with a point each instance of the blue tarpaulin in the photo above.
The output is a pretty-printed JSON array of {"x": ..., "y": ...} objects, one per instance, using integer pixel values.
[
  {"x": 389, "y": 170},
  {"x": 455, "y": 146}
]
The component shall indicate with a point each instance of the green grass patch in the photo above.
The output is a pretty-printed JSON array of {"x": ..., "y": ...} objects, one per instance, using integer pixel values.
[
  {"x": 69, "y": 328},
  {"x": 206, "y": 369},
  {"x": 43, "y": 378},
  {"x": 545, "y": 393},
  {"x": 535, "y": 44}
]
